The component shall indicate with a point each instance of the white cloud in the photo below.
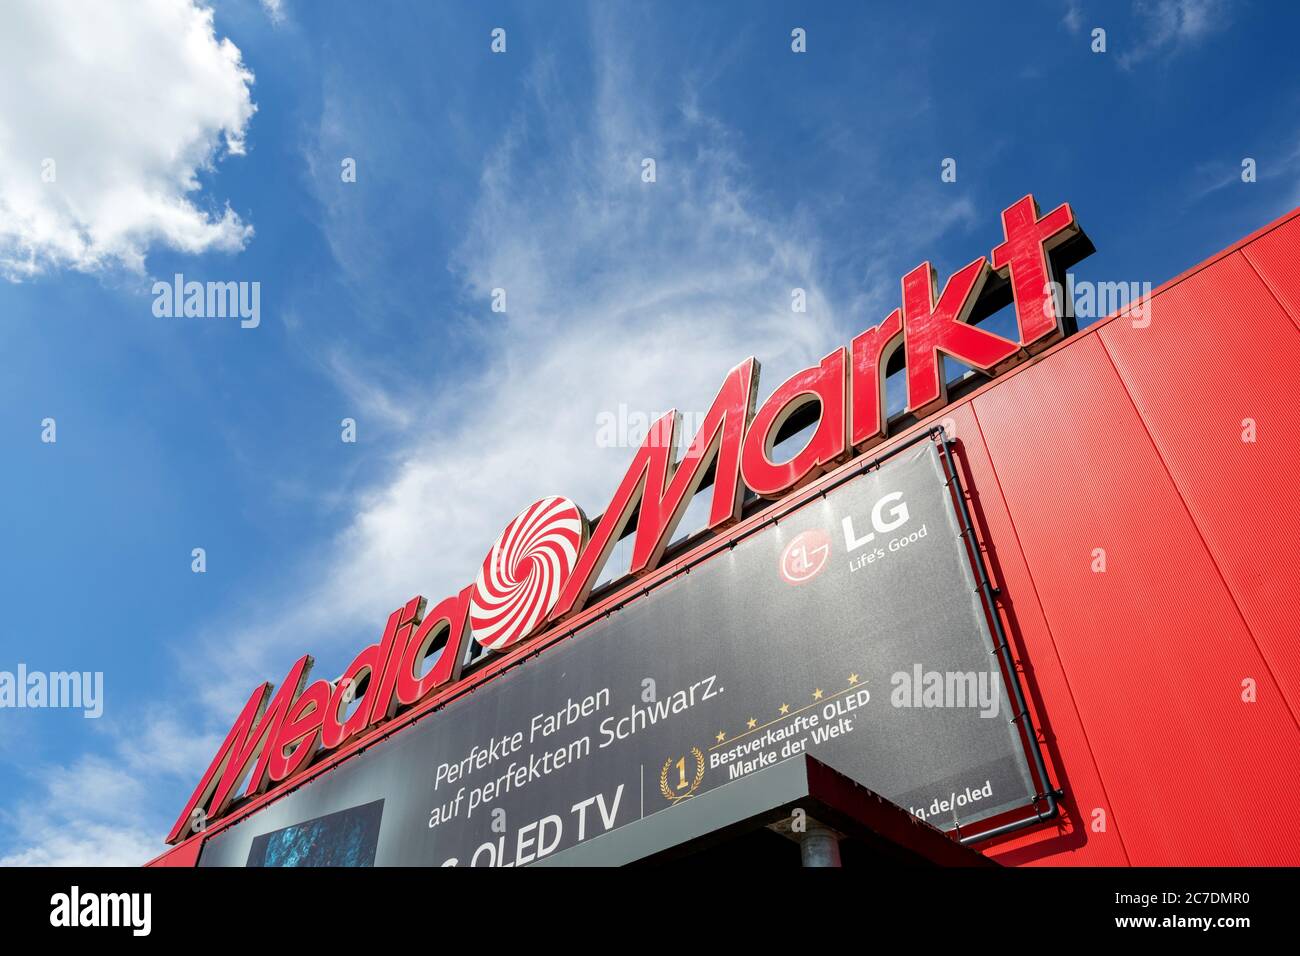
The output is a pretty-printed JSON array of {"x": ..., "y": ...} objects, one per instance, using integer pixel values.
[
  {"x": 275, "y": 10},
  {"x": 103, "y": 809},
  {"x": 130, "y": 100},
  {"x": 1073, "y": 18},
  {"x": 1172, "y": 26},
  {"x": 101, "y": 825},
  {"x": 70, "y": 844},
  {"x": 367, "y": 392}
]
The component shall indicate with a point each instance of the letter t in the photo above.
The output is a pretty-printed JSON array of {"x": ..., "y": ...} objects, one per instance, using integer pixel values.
[{"x": 1024, "y": 256}]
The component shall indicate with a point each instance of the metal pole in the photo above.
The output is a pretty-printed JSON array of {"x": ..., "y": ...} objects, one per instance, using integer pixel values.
[{"x": 819, "y": 846}]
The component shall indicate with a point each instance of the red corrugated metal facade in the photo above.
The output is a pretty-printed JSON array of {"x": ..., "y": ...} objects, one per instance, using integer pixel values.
[
  {"x": 1132, "y": 438},
  {"x": 1130, "y": 442}
]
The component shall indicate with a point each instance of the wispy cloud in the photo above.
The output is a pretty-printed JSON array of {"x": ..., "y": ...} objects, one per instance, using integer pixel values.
[
  {"x": 48, "y": 841},
  {"x": 1073, "y": 16},
  {"x": 275, "y": 10},
  {"x": 1211, "y": 177},
  {"x": 106, "y": 808},
  {"x": 1171, "y": 26},
  {"x": 618, "y": 291}
]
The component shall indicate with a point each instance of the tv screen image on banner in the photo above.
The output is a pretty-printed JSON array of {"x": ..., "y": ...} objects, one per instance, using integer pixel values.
[
  {"x": 850, "y": 627},
  {"x": 343, "y": 838}
]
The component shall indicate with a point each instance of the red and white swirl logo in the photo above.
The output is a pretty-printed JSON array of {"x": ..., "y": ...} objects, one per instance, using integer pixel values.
[
  {"x": 522, "y": 575},
  {"x": 805, "y": 556}
]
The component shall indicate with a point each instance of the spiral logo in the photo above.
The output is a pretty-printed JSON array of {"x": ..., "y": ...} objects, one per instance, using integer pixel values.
[{"x": 522, "y": 575}]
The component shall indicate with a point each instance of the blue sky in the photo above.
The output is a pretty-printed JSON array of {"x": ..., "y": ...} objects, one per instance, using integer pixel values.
[{"x": 215, "y": 152}]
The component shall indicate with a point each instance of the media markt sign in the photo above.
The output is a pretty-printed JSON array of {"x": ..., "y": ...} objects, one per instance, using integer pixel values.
[
  {"x": 532, "y": 591},
  {"x": 711, "y": 676}
]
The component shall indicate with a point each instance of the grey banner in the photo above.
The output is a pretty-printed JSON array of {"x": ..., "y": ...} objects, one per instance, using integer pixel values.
[{"x": 851, "y": 630}]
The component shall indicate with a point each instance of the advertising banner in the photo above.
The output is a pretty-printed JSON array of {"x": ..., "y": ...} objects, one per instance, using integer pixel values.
[{"x": 849, "y": 629}]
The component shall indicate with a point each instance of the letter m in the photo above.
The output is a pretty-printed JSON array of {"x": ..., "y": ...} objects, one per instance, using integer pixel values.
[
  {"x": 659, "y": 492},
  {"x": 223, "y": 299},
  {"x": 247, "y": 741}
]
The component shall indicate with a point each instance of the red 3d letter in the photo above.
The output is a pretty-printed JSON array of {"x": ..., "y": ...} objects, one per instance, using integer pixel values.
[
  {"x": 381, "y": 700},
  {"x": 450, "y": 617},
  {"x": 299, "y": 735},
  {"x": 661, "y": 500},
  {"x": 823, "y": 383},
  {"x": 871, "y": 351},
  {"x": 1024, "y": 257},
  {"x": 367, "y": 669},
  {"x": 931, "y": 327},
  {"x": 255, "y": 730},
  {"x": 718, "y": 440}
]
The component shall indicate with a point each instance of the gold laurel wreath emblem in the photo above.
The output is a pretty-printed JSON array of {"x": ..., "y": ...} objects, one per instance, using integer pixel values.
[{"x": 668, "y": 792}]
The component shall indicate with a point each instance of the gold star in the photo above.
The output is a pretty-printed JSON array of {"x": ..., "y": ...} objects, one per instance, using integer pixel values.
[
  {"x": 785, "y": 708},
  {"x": 752, "y": 723},
  {"x": 853, "y": 679},
  {"x": 817, "y": 694},
  {"x": 722, "y": 735}
]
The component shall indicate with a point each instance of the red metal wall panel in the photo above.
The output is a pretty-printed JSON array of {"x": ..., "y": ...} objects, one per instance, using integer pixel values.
[
  {"x": 1276, "y": 257},
  {"x": 1065, "y": 746},
  {"x": 1154, "y": 648},
  {"x": 1220, "y": 351}
]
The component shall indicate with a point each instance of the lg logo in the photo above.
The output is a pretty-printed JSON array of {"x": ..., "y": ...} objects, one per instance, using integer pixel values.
[
  {"x": 882, "y": 521},
  {"x": 805, "y": 556}
]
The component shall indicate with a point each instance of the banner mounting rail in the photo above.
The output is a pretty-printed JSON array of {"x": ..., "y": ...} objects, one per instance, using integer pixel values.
[{"x": 1002, "y": 648}]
